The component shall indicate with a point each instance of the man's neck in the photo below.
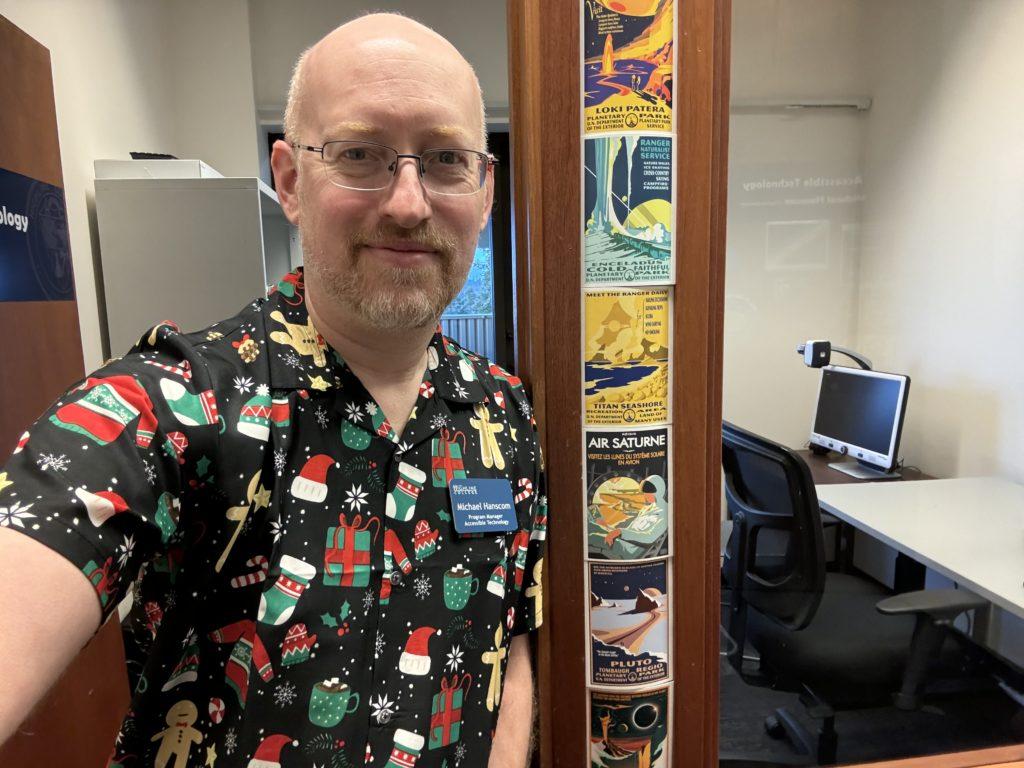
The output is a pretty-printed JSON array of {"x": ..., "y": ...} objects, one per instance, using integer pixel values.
[{"x": 390, "y": 364}]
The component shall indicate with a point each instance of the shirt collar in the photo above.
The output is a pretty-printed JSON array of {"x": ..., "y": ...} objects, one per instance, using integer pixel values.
[{"x": 299, "y": 358}]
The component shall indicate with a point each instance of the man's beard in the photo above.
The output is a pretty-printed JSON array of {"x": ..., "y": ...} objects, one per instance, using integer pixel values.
[{"x": 384, "y": 296}]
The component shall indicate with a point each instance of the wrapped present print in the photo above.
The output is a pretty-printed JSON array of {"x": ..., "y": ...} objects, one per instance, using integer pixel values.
[
  {"x": 446, "y": 458},
  {"x": 347, "y": 556},
  {"x": 446, "y": 711}
]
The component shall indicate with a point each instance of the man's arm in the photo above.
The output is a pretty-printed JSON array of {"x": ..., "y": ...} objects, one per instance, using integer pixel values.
[
  {"x": 48, "y": 612},
  {"x": 511, "y": 746}
]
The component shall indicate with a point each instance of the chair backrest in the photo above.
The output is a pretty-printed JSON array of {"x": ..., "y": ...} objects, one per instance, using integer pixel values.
[{"x": 769, "y": 488}]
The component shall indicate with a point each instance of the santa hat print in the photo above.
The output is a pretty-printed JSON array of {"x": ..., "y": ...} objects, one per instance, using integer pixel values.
[
  {"x": 311, "y": 483},
  {"x": 268, "y": 753},
  {"x": 415, "y": 659},
  {"x": 101, "y": 505}
]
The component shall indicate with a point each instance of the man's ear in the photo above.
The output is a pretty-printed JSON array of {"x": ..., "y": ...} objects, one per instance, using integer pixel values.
[
  {"x": 286, "y": 179},
  {"x": 489, "y": 192}
]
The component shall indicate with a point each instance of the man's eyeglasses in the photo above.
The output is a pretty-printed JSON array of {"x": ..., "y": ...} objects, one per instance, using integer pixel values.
[{"x": 367, "y": 166}]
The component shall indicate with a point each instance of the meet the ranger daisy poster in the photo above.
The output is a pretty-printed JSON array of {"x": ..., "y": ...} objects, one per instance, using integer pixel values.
[
  {"x": 629, "y": 730},
  {"x": 627, "y": 209},
  {"x": 629, "y": 618},
  {"x": 627, "y": 65},
  {"x": 627, "y": 494},
  {"x": 626, "y": 352}
]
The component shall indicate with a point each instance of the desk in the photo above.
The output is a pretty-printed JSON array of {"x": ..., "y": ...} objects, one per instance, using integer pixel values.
[{"x": 970, "y": 530}]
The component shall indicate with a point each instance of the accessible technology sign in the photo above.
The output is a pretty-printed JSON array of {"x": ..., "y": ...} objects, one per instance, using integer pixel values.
[{"x": 35, "y": 257}]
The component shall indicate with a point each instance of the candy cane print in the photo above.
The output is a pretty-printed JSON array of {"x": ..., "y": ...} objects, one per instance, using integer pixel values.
[
  {"x": 527, "y": 489},
  {"x": 253, "y": 577}
]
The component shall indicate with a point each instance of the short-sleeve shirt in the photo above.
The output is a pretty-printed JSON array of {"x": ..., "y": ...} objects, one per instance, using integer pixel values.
[{"x": 299, "y": 591}]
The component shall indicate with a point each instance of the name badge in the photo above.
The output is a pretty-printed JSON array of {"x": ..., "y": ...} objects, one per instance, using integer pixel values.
[{"x": 482, "y": 505}]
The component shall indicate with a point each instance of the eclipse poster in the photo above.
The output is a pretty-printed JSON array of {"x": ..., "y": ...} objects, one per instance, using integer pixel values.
[
  {"x": 628, "y": 48},
  {"x": 627, "y": 494},
  {"x": 629, "y": 618},
  {"x": 626, "y": 355},
  {"x": 629, "y": 730}
]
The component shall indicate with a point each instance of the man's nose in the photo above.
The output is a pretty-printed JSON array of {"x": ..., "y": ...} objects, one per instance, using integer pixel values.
[{"x": 405, "y": 201}]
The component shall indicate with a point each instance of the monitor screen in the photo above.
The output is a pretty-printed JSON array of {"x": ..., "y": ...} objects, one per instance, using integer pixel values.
[{"x": 860, "y": 409}]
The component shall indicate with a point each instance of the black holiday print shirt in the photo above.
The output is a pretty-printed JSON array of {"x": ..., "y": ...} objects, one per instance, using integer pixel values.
[{"x": 303, "y": 598}]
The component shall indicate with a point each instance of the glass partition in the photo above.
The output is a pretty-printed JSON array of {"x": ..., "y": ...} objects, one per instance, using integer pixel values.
[{"x": 876, "y": 180}]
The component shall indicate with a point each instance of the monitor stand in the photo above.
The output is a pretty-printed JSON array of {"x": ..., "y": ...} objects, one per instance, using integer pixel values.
[{"x": 863, "y": 472}]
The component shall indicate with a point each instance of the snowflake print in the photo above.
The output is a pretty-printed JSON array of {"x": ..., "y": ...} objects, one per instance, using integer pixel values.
[
  {"x": 353, "y": 413},
  {"x": 378, "y": 644},
  {"x": 279, "y": 461},
  {"x": 382, "y": 709},
  {"x": 124, "y": 551},
  {"x": 525, "y": 409},
  {"x": 368, "y": 598},
  {"x": 50, "y": 461},
  {"x": 243, "y": 384},
  {"x": 230, "y": 741},
  {"x": 439, "y": 421},
  {"x": 460, "y": 753},
  {"x": 285, "y": 694},
  {"x": 15, "y": 515},
  {"x": 460, "y": 390},
  {"x": 275, "y": 530},
  {"x": 150, "y": 472},
  {"x": 321, "y": 416},
  {"x": 454, "y": 659},
  {"x": 190, "y": 638},
  {"x": 502, "y": 545},
  {"x": 371, "y": 409},
  {"x": 421, "y": 586},
  {"x": 403, "y": 447},
  {"x": 355, "y": 497},
  {"x": 291, "y": 359}
]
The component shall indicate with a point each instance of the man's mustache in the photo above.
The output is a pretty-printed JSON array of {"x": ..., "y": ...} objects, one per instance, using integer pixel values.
[{"x": 423, "y": 237}]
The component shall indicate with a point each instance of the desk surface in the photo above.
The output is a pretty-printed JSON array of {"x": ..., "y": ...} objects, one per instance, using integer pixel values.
[{"x": 969, "y": 529}]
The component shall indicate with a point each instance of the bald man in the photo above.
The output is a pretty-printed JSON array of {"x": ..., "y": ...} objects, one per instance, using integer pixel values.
[{"x": 320, "y": 518}]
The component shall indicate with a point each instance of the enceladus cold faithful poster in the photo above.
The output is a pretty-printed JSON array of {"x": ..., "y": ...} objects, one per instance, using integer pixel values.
[
  {"x": 626, "y": 354},
  {"x": 629, "y": 730},
  {"x": 627, "y": 494},
  {"x": 627, "y": 209},
  {"x": 629, "y": 620},
  {"x": 627, "y": 65}
]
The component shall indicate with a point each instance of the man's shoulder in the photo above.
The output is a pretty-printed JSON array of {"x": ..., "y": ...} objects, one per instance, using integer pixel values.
[{"x": 226, "y": 348}]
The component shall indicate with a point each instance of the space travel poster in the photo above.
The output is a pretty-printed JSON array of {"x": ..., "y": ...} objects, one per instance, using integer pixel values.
[
  {"x": 629, "y": 730},
  {"x": 629, "y": 621},
  {"x": 627, "y": 65},
  {"x": 627, "y": 493},
  {"x": 628, "y": 218}
]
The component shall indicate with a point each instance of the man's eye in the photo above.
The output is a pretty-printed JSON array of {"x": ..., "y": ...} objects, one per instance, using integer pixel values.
[
  {"x": 449, "y": 158},
  {"x": 355, "y": 154}
]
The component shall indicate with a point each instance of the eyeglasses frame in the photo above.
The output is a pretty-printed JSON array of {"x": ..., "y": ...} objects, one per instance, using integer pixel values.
[{"x": 489, "y": 159}]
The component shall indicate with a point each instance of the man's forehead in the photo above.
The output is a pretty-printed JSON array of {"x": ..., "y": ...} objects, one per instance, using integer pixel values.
[{"x": 362, "y": 129}]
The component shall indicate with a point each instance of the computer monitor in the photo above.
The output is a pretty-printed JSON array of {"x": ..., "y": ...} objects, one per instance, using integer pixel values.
[{"x": 860, "y": 413}]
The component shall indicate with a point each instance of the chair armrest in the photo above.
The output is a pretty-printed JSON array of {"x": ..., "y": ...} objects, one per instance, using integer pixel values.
[{"x": 941, "y": 605}]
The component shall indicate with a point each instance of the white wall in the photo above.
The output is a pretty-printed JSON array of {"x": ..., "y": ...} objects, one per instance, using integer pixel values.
[
  {"x": 154, "y": 76},
  {"x": 942, "y": 273},
  {"x": 281, "y": 31},
  {"x": 795, "y": 183}
]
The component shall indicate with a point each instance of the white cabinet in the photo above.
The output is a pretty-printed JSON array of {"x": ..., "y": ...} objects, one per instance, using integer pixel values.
[{"x": 191, "y": 250}]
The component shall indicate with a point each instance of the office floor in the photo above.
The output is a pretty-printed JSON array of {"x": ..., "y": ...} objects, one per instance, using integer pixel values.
[{"x": 950, "y": 724}]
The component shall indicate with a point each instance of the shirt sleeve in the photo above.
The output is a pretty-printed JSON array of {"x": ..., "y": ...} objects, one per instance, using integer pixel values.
[
  {"x": 529, "y": 612},
  {"x": 98, "y": 478}
]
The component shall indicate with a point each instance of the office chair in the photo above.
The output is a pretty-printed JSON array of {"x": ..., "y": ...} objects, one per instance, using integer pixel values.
[{"x": 837, "y": 639}]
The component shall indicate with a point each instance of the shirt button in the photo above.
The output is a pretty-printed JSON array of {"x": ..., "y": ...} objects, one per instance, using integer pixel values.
[{"x": 396, "y": 578}]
